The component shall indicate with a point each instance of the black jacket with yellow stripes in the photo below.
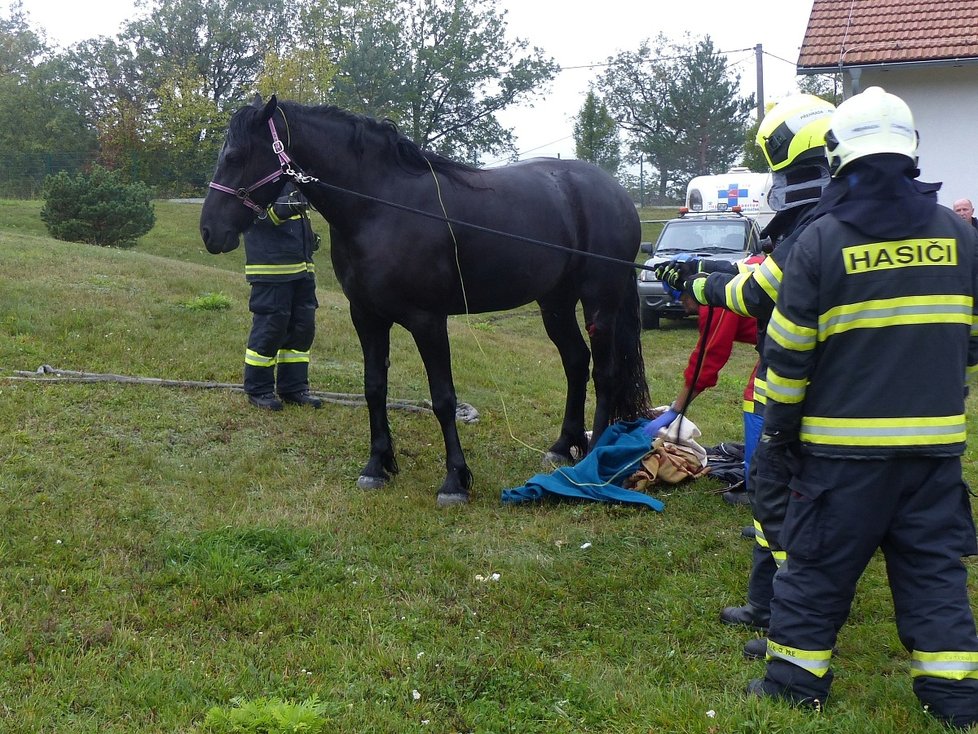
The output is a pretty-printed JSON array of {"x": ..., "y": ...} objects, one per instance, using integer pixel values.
[
  {"x": 873, "y": 337},
  {"x": 279, "y": 252}
]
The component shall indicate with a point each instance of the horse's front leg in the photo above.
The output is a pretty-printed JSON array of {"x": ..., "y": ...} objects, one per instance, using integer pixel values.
[
  {"x": 430, "y": 334},
  {"x": 375, "y": 335}
]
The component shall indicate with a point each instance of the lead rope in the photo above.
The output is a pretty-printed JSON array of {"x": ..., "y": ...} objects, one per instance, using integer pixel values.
[{"x": 492, "y": 374}]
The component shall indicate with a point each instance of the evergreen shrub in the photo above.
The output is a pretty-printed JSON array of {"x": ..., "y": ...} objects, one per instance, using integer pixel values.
[{"x": 97, "y": 207}]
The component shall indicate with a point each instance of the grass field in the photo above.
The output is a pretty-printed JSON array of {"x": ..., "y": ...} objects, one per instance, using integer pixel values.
[{"x": 166, "y": 551}]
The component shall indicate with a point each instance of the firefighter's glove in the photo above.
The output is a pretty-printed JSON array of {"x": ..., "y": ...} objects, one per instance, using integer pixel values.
[
  {"x": 291, "y": 207},
  {"x": 697, "y": 287},
  {"x": 675, "y": 273},
  {"x": 775, "y": 462}
]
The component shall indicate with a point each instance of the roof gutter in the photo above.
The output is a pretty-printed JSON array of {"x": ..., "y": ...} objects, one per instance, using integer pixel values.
[{"x": 884, "y": 65}]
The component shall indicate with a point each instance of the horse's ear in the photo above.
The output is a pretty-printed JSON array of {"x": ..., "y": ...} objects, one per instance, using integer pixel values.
[
  {"x": 269, "y": 108},
  {"x": 257, "y": 101}
]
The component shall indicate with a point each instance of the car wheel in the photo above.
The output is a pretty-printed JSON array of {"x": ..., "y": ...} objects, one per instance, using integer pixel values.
[{"x": 650, "y": 319}]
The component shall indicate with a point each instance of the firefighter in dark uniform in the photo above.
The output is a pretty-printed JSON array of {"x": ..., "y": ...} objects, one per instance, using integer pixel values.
[
  {"x": 279, "y": 266},
  {"x": 792, "y": 139},
  {"x": 869, "y": 350}
]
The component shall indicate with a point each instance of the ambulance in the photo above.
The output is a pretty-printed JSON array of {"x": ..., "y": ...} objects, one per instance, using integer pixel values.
[{"x": 738, "y": 187}]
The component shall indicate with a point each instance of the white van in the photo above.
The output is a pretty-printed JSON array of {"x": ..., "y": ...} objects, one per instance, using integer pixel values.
[{"x": 738, "y": 187}]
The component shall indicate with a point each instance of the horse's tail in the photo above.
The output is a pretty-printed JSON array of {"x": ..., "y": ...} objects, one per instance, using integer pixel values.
[{"x": 632, "y": 398}]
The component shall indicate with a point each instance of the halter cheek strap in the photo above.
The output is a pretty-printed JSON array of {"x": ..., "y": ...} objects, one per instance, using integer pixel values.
[{"x": 244, "y": 194}]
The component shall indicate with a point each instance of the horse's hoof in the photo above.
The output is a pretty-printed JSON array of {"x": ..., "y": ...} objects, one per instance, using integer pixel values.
[
  {"x": 455, "y": 498},
  {"x": 552, "y": 459},
  {"x": 365, "y": 482}
]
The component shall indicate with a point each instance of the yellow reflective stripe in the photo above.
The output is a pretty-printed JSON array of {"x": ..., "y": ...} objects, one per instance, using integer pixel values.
[
  {"x": 274, "y": 219},
  {"x": 760, "y": 391},
  {"x": 779, "y": 556},
  {"x": 733, "y": 294},
  {"x": 790, "y": 335},
  {"x": 920, "y": 431},
  {"x": 815, "y": 662},
  {"x": 748, "y": 406},
  {"x": 785, "y": 389},
  {"x": 942, "y": 309},
  {"x": 291, "y": 356},
  {"x": 289, "y": 269},
  {"x": 768, "y": 276},
  {"x": 258, "y": 360},
  {"x": 745, "y": 267},
  {"x": 759, "y": 536},
  {"x": 956, "y": 665}
]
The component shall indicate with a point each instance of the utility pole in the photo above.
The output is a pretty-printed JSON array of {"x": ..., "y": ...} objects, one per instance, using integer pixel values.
[
  {"x": 641, "y": 180},
  {"x": 759, "y": 62}
]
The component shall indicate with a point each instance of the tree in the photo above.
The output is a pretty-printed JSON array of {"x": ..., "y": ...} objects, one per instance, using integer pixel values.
[
  {"x": 223, "y": 41},
  {"x": 826, "y": 86},
  {"x": 41, "y": 117},
  {"x": 596, "y": 135},
  {"x": 182, "y": 157},
  {"x": 753, "y": 157},
  {"x": 440, "y": 69},
  {"x": 679, "y": 107}
]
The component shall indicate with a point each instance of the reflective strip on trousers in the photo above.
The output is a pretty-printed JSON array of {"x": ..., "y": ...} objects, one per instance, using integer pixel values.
[
  {"x": 291, "y": 356},
  {"x": 760, "y": 538},
  {"x": 950, "y": 665},
  {"x": 815, "y": 662},
  {"x": 258, "y": 360}
]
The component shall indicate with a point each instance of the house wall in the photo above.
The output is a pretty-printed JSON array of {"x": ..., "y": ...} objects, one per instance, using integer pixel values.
[{"x": 944, "y": 102}]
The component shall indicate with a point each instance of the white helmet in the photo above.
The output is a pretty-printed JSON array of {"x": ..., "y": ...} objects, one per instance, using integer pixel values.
[{"x": 869, "y": 123}]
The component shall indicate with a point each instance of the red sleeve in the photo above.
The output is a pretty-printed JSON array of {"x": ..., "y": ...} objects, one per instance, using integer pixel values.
[{"x": 718, "y": 346}]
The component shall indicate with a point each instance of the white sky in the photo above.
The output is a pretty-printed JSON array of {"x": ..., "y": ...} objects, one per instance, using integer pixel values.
[{"x": 575, "y": 33}]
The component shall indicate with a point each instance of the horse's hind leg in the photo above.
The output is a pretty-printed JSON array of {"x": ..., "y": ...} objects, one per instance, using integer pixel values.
[
  {"x": 374, "y": 335},
  {"x": 560, "y": 320},
  {"x": 430, "y": 334}
]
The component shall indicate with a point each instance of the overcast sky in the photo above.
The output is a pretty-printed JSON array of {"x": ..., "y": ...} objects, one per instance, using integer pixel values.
[{"x": 576, "y": 33}]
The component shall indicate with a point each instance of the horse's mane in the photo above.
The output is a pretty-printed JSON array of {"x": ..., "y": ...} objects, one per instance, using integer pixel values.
[{"x": 407, "y": 154}]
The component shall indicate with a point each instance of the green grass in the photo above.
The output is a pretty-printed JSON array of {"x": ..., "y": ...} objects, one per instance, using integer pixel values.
[{"x": 169, "y": 552}]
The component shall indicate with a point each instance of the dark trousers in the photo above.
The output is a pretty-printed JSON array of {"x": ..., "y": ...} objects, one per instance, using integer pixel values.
[
  {"x": 917, "y": 511},
  {"x": 283, "y": 326}
]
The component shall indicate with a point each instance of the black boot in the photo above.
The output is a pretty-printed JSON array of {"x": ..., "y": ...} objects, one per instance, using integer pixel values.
[
  {"x": 303, "y": 397},
  {"x": 762, "y": 688},
  {"x": 756, "y": 649},
  {"x": 747, "y": 615},
  {"x": 266, "y": 401}
]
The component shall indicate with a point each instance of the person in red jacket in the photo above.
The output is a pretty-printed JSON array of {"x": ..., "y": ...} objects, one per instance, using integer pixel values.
[{"x": 716, "y": 345}]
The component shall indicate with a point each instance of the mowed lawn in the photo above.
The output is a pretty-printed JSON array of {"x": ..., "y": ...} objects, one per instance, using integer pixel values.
[{"x": 167, "y": 550}]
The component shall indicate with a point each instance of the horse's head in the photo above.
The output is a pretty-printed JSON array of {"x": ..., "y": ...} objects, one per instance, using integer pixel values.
[{"x": 247, "y": 179}]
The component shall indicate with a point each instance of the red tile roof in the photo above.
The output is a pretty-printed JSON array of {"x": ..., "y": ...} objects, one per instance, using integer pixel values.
[{"x": 888, "y": 31}]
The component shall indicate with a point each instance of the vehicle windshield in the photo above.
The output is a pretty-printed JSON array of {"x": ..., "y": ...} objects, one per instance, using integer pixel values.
[{"x": 715, "y": 236}]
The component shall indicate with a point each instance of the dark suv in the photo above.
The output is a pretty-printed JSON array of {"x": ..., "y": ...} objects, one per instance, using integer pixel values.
[{"x": 714, "y": 235}]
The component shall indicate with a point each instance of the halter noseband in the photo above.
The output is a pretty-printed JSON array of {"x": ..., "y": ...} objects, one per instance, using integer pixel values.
[{"x": 244, "y": 194}]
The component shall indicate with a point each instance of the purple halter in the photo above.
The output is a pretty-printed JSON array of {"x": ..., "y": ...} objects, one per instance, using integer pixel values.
[{"x": 244, "y": 194}]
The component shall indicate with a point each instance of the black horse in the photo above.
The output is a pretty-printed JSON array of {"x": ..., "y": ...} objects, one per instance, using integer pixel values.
[{"x": 415, "y": 236}]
